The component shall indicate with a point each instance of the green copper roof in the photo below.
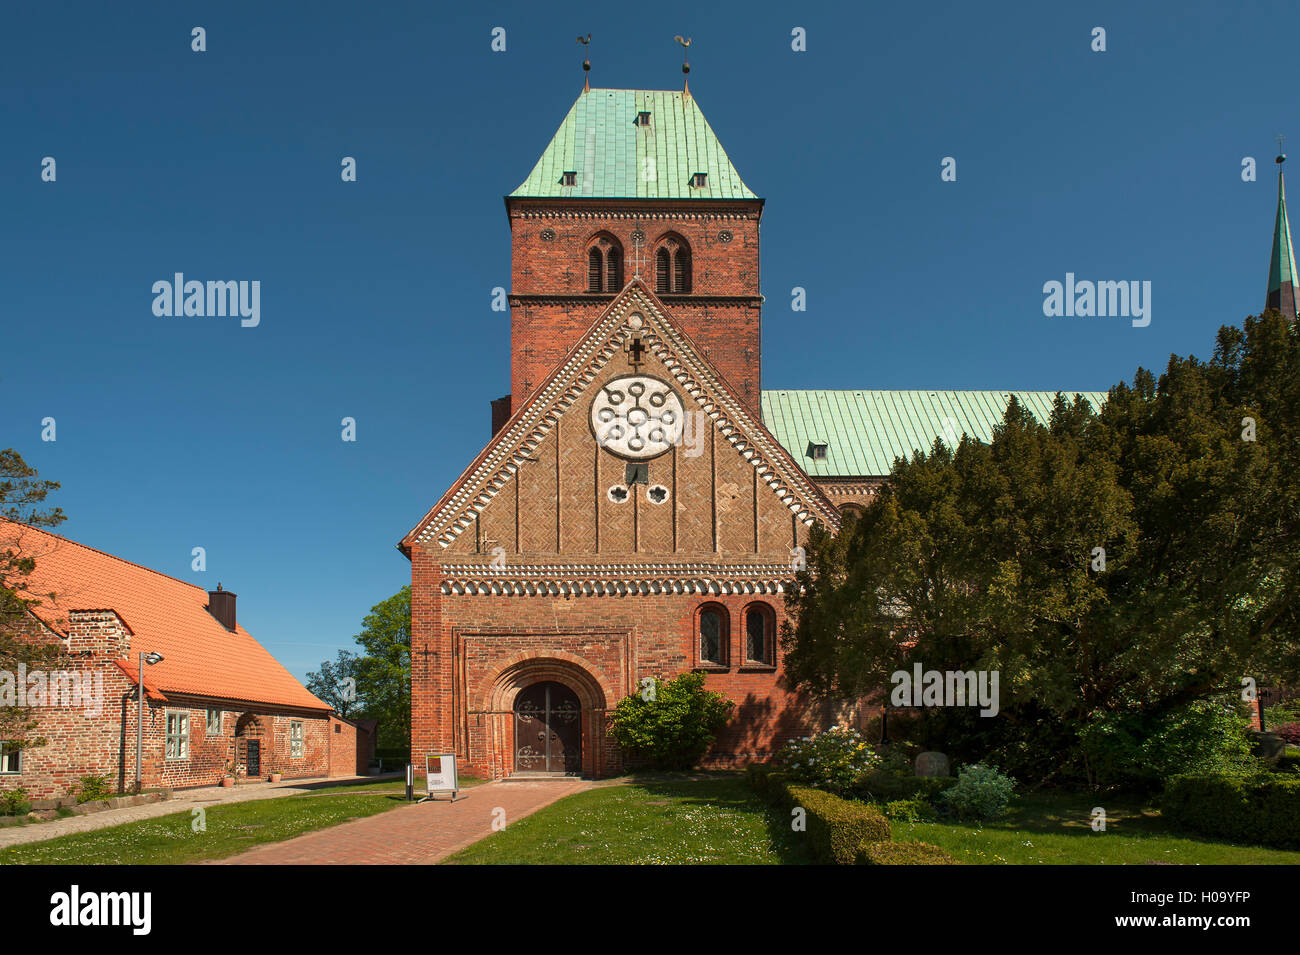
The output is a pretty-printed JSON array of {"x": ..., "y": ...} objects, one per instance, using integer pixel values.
[
  {"x": 1281, "y": 269},
  {"x": 614, "y": 158},
  {"x": 864, "y": 431}
]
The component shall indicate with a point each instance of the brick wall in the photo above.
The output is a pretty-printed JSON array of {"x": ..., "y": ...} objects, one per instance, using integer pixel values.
[
  {"x": 350, "y": 748},
  {"x": 479, "y": 650}
]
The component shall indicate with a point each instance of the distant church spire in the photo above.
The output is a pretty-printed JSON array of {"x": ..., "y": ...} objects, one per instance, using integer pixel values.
[{"x": 1282, "y": 291}]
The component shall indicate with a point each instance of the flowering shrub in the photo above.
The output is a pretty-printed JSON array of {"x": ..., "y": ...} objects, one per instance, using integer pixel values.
[
  {"x": 832, "y": 760},
  {"x": 1289, "y": 732},
  {"x": 981, "y": 792}
]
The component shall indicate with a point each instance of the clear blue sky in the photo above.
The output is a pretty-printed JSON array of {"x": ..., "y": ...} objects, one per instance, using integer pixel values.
[{"x": 183, "y": 432}]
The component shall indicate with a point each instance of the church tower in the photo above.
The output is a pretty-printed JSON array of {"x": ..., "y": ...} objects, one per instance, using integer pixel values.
[
  {"x": 1282, "y": 291},
  {"x": 633, "y": 183}
]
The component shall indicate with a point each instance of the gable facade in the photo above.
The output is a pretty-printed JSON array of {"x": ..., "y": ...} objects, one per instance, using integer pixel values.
[{"x": 632, "y": 520}]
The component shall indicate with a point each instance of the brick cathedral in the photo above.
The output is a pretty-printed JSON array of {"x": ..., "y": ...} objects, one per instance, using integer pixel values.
[{"x": 641, "y": 503}]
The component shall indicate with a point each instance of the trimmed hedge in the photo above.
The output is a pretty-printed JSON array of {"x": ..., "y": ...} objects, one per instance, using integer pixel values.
[
  {"x": 1261, "y": 810},
  {"x": 903, "y": 853},
  {"x": 837, "y": 828},
  {"x": 843, "y": 831}
]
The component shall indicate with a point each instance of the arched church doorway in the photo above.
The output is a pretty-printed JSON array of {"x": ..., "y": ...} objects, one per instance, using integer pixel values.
[{"x": 548, "y": 729}]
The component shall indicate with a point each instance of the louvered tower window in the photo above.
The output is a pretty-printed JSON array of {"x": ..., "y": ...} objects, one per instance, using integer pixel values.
[
  {"x": 613, "y": 270},
  {"x": 673, "y": 266},
  {"x": 663, "y": 269},
  {"x": 604, "y": 264}
]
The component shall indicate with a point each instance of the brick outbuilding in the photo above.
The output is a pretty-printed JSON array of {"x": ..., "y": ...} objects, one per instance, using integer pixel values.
[{"x": 217, "y": 698}]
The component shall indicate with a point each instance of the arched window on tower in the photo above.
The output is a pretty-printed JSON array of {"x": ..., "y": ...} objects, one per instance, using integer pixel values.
[
  {"x": 604, "y": 264},
  {"x": 673, "y": 265}
]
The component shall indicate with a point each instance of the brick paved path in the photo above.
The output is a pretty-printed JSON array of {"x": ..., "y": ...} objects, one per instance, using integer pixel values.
[
  {"x": 182, "y": 801},
  {"x": 414, "y": 835}
]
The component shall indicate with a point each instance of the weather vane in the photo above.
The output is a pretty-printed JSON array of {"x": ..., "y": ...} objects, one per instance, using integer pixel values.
[
  {"x": 586, "y": 63},
  {"x": 686, "y": 66},
  {"x": 1281, "y": 156}
]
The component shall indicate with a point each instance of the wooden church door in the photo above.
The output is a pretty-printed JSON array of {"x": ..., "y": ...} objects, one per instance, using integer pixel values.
[{"x": 548, "y": 730}]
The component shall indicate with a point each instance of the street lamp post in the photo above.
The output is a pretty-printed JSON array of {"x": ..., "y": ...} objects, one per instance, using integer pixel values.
[{"x": 151, "y": 659}]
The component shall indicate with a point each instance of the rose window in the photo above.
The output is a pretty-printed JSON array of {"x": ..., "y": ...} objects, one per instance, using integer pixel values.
[{"x": 637, "y": 417}]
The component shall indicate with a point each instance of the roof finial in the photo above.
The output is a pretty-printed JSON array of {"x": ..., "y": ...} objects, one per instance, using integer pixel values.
[
  {"x": 686, "y": 66},
  {"x": 586, "y": 65}
]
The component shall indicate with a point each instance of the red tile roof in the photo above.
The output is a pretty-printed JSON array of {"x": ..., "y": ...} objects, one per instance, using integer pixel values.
[{"x": 165, "y": 615}]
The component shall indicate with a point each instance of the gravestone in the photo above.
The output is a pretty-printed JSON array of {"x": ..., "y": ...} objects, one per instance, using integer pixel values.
[{"x": 932, "y": 764}]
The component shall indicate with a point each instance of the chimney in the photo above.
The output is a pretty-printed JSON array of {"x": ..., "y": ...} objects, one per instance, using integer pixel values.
[
  {"x": 221, "y": 604},
  {"x": 500, "y": 413}
]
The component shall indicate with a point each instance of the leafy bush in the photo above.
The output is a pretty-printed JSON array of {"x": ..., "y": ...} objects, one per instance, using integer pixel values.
[
  {"x": 13, "y": 802},
  {"x": 673, "y": 725},
  {"x": 837, "y": 827},
  {"x": 1259, "y": 809},
  {"x": 91, "y": 787},
  {"x": 981, "y": 792},
  {"x": 832, "y": 760},
  {"x": 909, "y": 810},
  {"x": 903, "y": 853},
  {"x": 1205, "y": 736}
]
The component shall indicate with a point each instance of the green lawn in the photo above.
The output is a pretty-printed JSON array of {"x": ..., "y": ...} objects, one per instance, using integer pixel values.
[
  {"x": 231, "y": 828},
  {"x": 647, "y": 822},
  {"x": 718, "y": 819},
  {"x": 1055, "y": 829}
]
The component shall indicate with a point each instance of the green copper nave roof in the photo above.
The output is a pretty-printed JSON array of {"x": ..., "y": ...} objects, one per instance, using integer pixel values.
[
  {"x": 614, "y": 158},
  {"x": 1281, "y": 269},
  {"x": 864, "y": 431}
]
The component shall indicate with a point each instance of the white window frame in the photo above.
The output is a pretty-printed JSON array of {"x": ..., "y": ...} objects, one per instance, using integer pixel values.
[
  {"x": 295, "y": 738},
  {"x": 216, "y": 716},
  {"x": 6, "y": 755},
  {"x": 181, "y": 738}
]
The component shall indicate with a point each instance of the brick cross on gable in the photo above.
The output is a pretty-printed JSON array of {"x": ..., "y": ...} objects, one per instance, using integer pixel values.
[{"x": 635, "y": 351}]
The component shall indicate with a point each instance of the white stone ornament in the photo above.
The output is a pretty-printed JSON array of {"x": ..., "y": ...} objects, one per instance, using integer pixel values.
[{"x": 637, "y": 417}]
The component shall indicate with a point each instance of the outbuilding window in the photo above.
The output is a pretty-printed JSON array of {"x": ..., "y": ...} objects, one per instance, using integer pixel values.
[
  {"x": 214, "y": 722},
  {"x": 178, "y": 735},
  {"x": 11, "y": 760},
  {"x": 295, "y": 738}
]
